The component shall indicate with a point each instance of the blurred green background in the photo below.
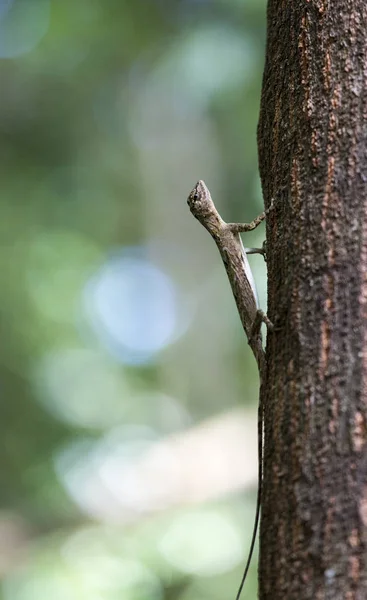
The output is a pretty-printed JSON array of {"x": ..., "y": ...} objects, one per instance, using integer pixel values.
[{"x": 128, "y": 392}]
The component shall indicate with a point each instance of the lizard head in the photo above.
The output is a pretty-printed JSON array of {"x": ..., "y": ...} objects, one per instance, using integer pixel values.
[{"x": 201, "y": 203}]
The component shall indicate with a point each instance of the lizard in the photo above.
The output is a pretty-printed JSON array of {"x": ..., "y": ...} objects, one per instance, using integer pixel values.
[{"x": 233, "y": 254}]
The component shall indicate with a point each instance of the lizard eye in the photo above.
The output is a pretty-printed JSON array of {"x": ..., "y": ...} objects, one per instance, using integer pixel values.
[{"x": 195, "y": 196}]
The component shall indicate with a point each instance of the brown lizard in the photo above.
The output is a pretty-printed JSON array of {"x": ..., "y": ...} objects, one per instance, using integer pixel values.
[{"x": 229, "y": 243}]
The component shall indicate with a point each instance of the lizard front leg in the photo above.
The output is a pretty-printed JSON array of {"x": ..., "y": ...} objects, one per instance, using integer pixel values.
[{"x": 243, "y": 227}]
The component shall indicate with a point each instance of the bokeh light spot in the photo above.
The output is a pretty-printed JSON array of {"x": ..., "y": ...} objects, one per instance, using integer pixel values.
[
  {"x": 4, "y": 7},
  {"x": 22, "y": 26},
  {"x": 82, "y": 387},
  {"x": 191, "y": 543},
  {"x": 132, "y": 306},
  {"x": 101, "y": 476}
]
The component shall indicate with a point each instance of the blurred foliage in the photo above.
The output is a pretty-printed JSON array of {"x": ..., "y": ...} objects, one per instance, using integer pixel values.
[{"x": 117, "y": 325}]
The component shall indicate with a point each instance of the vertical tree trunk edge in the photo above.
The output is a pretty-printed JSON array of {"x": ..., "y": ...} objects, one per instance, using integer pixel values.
[{"x": 312, "y": 139}]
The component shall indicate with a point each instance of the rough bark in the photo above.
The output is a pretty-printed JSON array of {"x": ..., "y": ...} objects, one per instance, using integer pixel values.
[{"x": 312, "y": 139}]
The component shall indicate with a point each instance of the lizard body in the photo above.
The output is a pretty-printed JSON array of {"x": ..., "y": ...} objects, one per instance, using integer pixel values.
[{"x": 233, "y": 254}]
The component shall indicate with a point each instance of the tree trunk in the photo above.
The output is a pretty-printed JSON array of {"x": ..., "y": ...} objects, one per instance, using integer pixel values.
[{"x": 312, "y": 139}]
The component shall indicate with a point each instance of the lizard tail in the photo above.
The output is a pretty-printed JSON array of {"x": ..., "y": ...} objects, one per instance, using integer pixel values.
[{"x": 258, "y": 499}]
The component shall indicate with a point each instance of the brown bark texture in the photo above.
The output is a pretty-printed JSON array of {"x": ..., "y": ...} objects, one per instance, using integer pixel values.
[{"x": 312, "y": 138}]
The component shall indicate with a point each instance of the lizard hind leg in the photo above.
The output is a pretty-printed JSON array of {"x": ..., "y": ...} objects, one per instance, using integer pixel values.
[
  {"x": 260, "y": 318},
  {"x": 261, "y": 250}
]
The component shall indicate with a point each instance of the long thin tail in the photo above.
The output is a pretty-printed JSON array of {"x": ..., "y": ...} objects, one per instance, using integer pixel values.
[{"x": 258, "y": 499}]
